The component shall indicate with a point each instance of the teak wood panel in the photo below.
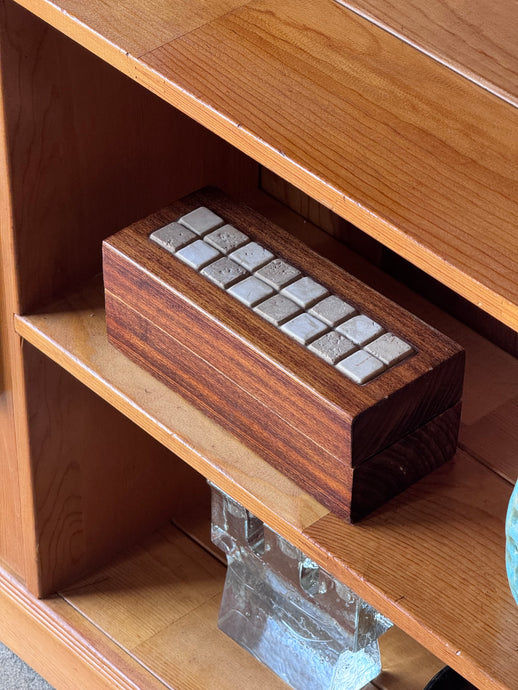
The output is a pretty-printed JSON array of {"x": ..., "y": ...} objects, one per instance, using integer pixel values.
[
  {"x": 411, "y": 152},
  {"x": 477, "y": 39},
  {"x": 351, "y": 421}
]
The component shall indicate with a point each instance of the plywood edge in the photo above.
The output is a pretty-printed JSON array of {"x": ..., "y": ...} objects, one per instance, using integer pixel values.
[{"x": 58, "y": 649}]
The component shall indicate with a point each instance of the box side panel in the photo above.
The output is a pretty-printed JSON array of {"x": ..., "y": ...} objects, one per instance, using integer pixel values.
[
  {"x": 407, "y": 409},
  {"x": 257, "y": 426},
  {"x": 380, "y": 478}
]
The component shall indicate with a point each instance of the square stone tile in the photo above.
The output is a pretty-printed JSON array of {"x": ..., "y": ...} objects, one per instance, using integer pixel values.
[
  {"x": 304, "y": 328},
  {"x": 251, "y": 291},
  {"x": 305, "y": 292},
  {"x": 389, "y": 348},
  {"x": 198, "y": 254},
  {"x": 252, "y": 256},
  {"x": 360, "y": 329},
  {"x": 332, "y": 347},
  {"x": 332, "y": 310},
  {"x": 201, "y": 221},
  {"x": 227, "y": 238},
  {"x": 278, "y": 273},
  {"x": 224, "y": 272},
  {"x": 172, "y": 237},
  {"x": 277, "y": 309},
  {"x": 360, "y": 366}
]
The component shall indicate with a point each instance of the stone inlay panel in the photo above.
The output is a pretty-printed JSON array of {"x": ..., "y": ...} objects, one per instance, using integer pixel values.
[{"x": 297, "y": 304}]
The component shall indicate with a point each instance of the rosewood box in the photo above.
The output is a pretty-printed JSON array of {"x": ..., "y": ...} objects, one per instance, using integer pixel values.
[{"x": 347, "y": 393}]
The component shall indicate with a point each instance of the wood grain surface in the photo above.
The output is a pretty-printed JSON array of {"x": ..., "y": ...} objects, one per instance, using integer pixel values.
[
  {"x": 491, "y": 381},
  {"x": 95, "y": 492},
  {"x": 175, "y": 633},
  {"x": 11, "y": 531},
  {"x": 476, "y": 39},
  {"x": 412, "y": 153},
  {"x": 400, "y": 550},
  {"x": 409, "y": 150},
  {"x": 64, "y": 647},
  {"x": 162, "y": 631},
  {"x": 76, "y": 644},
  {"x": 77, "y": 161},
  {"x": 376, "y": 120}
]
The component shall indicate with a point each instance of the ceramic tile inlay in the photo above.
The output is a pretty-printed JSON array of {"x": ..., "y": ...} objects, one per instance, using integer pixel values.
[
  {"x": 201, "y": 221},
  {"x": 252, "y": 256},
  {"x": 332, "y": 310},
  {"x": 304, "y": 328},
  {"x": 227, "y": 238},
  {"x": 277, "y": 309},
  {"x": 305, "y": 292},
  {"x": 361, "y": 366},
  {"x": 360, "y": 329},
  {"x": 224, "y": 272},
  {"x": 198, "y": 254},
  {"x": 389, "y": 348},
  {"x": 278, "y": 273},
  {"x": 251, "y": 291},
  {"x": 332, "y": 347},
  {"x": 173, "y": 237},
  {"x": 302, "y": 308}
]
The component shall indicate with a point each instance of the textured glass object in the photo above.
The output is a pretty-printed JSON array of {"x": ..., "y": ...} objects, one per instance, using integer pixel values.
[
  {"x": 312, "y": 631},
  {"x": 511, "y": 554}
]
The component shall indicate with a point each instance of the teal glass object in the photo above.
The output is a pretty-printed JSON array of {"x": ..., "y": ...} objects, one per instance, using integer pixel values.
[{"x": 511, "y": 553}]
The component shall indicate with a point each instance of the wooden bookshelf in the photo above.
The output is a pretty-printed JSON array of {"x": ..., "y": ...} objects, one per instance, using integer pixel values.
[
  {"x": 404, "y": 583},
  {"x": 112, "y": 111}
]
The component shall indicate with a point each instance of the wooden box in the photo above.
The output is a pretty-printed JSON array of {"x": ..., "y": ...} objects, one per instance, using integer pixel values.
[{"x": 351, "y": 445}]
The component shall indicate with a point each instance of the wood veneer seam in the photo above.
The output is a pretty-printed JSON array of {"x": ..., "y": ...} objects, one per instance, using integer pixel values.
[
  {"x": 62, "y": 631},
  {"x": 449, "y": 63},
  {"x": 480, "y": 459},
  {"x": 116, "y": 643}
]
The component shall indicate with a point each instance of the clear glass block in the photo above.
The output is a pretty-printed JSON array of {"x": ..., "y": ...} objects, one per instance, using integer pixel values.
[{"x": 311, "y": 630}]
